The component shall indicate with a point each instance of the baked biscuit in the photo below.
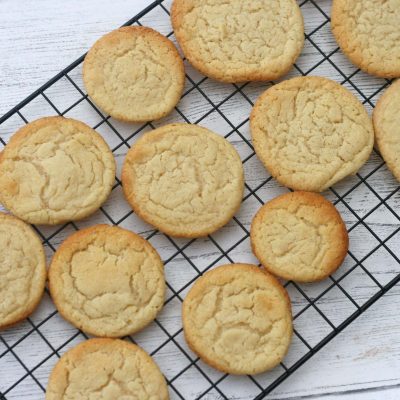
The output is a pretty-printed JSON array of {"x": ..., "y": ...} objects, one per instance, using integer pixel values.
[
  {"x": 107, "y": 281},
  {"x": 386, "y": 119},
  {"x": 55, "y": 170},
  {"x": 106, "y": 369},
  {"x": 184, "y": 179},
  {"x": 236, "y": 40},
  {"x": 22, "y": 270},
  {"x": 310, "y": 133},
  {"x": 237, "y": 318},
  {"x": 299, "y": 236},
  {"x": 368, "y": 32},
  {"x": 135, "y": 74}
]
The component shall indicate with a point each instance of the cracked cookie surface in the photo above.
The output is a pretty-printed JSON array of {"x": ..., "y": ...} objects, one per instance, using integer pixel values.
[
  {"x": 368, "y": 32},
  {"x": 105, "y": 369},
  {"x": 386, "y": 119},
  {"x": 299, "y": 236},
  {"x": 107, "y": 281},
  {"x": 55, "y": 170},
  {"x": 310, "y": 133},
  {"x": 237, "y": 318},
  {"x": 135, "y": 74},
  {"x": 184, "y": 179},
  {"x": 236, "y": 40},
  {"x": 22, "y": 270}
]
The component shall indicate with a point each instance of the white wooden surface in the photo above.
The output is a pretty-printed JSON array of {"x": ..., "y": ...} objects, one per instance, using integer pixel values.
[{"x": 37, "y": 39}]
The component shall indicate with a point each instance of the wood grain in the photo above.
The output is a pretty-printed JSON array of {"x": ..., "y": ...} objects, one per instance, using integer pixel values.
[{"x": 39, "y": 38}]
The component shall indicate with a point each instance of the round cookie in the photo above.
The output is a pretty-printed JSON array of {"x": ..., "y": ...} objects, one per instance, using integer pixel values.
[
  {"x": 310, "y": 133},
  {"x": 237, "y": 318},
  {"x": 386, "y": 119},
  {"x": 55, "y": 170},
  {"x": 299, "y": 236},
  {"x": 135, "y": 74},
  {"x": 106, "y": 369},
  {"x": 107, "y": 281},
  {"x": 236, "y": 40},
  {"x": 184, "y": 179},
  {"x": 368, "y": 32},
  {"x": 22, "y": 270}
]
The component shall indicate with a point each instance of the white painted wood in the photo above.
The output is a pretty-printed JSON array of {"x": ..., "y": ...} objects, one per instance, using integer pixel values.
[{"x": 39, "y": 38}]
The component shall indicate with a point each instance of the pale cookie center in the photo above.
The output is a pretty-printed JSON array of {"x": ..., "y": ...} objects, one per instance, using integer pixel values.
[
  {"x": 18, "y": 266},
  {"x": 241, "y": 325},
  {"x": 108, "y": 286},
  {"x": 138, "y": 77},
  {"x": 388, "y": 130},
  {"x": 242, "y": 34},
  {"x": 294, "y": 243},
  {"x": 58, "y": 174},
  {"x": 375, "y": 29},
  {"x": 317, "y": 133},
  {"x": 111, "y": 375},
  {"x": 188, "y": 181}
]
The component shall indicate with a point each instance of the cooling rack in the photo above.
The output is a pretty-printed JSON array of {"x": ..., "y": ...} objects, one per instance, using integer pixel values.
[{"x": 367, "y": 202}]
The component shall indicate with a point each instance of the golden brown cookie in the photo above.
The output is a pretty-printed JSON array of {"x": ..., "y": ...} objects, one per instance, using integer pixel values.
[
  {"x": 310, "y": 133},
  {"x": 386, "y": 118},
  {"x": 299, "y": 236},
  {"x": 107, "y": 281},
  {"x": 237, "y": 318},
  {"x": 55, "y": 170},
  {"x": 22, "y": 270},
  {"x": 368, "y": 32},
  {"x": 236, "y": 40},
  {"x": 106, "y": 369},
  {"x": 184, "y": 179},
  {"x": 134, "y": 74}
]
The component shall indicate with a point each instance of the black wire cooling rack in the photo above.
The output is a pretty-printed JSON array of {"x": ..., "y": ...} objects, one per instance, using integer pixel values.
[{"x": 367, "y": 202}]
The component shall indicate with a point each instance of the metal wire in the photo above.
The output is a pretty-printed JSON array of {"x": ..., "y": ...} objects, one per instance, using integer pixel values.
[{"x": 261, "y": 388}]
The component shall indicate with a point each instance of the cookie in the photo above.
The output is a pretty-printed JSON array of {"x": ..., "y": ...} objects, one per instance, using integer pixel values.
[
  {"x": 135, "y": 74},
  {"x": 236, "y": 40},
  {"x": 310, "y": 133},
  {"x": 106, "y": 369},
  {"x": 386, "y": 119},
  {"x": 299, "y": 236},
  {"x": 368, "y": 33},
  {"x": 22, "y": 270},
  {"x": 107, "y": 281},
  {"x": 237, "y": 318},
  {"x": 184, "y": 179},
  {"x": 55, "y": 170}
]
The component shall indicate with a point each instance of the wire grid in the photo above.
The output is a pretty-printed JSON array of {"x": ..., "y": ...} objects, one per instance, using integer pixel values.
[{"x": 367, "y": 202}]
